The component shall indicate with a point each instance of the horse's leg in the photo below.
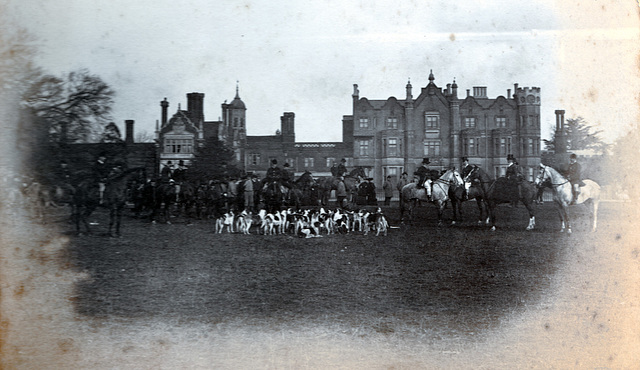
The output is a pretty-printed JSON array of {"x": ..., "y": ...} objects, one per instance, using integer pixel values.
[
  {"x": 112, "y": 216},
  {"x": 492, "y": 214},
  {"x": 119, "y": 218},
  {"x": 562, "y": 214},
  {"x": 441, "y": 204},
  {"x": 595, "y": 214},
  {"x": 480, "y": 211},
  {"x": 532, "y": 217}
]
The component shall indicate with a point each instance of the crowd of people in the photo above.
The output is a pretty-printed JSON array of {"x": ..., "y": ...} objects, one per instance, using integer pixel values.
[{"x": 246, "y": 189}]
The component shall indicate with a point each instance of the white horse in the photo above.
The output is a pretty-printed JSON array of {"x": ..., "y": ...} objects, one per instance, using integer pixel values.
[
  {"x": 562, "y": 195},
  {"x": 434, "y": 191}
]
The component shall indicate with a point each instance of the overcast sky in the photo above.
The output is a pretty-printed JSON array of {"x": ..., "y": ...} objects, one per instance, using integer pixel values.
[{"x": 304, "y": 56}]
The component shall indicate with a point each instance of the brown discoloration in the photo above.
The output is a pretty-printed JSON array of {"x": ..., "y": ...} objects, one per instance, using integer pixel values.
[
  {"x": 65, "y": 345},
  {"x": 452, "y": 37}
]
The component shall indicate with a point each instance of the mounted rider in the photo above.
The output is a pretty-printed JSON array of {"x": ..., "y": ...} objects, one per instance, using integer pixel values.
[
  {"x": 514, "y": 174},
  {"x": 166, "y": 172},
  {"x": 574, "y": 176},
  {"x": 179, "y": 176},
  {"x": 465, "y": 170},
  {"x": 101, "y": 173},
  {"x": 274, "y": 174},
  {"x": 342, "y": 168},
  {"x": 423, "y": 173},
  {"x": 287, "y": 176}
]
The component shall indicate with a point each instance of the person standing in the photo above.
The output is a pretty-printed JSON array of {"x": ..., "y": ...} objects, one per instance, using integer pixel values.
[
  {"x": 372, "y": 199},
  {"x": 574, "y": 177},
  {"x": 248, "y": 193},
  {"x": 388, "y": 191},
  {"x": 404, "y": 180},
  {"x": 341, "y": 192}
]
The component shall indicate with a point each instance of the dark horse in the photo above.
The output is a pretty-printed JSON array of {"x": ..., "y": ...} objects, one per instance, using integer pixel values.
[
  {"x": 457, "y": 195},
  {"x": 87, "y": 198},
  {"x": 273, "y": 196},
  {"x": 307, "y": 190},
  {"x": 502, "y": 190},
  {"x": 351, "y": 181}
]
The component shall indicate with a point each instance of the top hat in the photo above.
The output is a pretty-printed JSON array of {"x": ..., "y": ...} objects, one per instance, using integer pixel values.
[
  {"x": 343, "y": 160},
  {"x": 464, "y": 159},
  {"x": 169, "y": 163},
  {"x": 286, "y": 164},
  {"x": 181, "y": 163},
  {"x": 510, "y": 157},
  {"x": 425, "y": 160},
  {"x": 274, "y": 161}
]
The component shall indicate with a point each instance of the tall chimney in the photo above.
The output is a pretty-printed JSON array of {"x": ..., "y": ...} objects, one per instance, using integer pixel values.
[
  {"x": 128, "y": 139},
  {"x": 164, "y": 104},
  {"x": 508, "y": 93},
  {"x": 194, "y": 107}
]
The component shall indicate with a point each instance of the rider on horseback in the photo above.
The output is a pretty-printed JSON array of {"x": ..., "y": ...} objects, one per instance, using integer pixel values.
[
  {"x": 514, "y": 174},
  {"x": 466, "y": 169},
  {"x": 274, "y": 174},
  {"x": 423, "y": 173},
  {"x": 342, "y": 169},
  {"x": 100, "y": 173},
  {"x": 573, "y": 175}
]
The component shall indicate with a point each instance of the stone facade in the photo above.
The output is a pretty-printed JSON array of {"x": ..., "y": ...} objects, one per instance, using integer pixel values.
[{"x": 391, "y": 136}]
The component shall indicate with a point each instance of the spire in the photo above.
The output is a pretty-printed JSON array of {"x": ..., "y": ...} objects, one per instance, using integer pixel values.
[
  {"x": 237, "y": 89},
  {"x": 431, "y": 78}
]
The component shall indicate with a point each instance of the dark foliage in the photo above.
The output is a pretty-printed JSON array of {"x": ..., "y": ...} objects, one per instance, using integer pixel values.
[{"x": 214, "y": 160}]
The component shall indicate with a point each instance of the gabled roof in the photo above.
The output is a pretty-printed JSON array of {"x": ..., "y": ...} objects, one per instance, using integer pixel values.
[{"x": 180, "y": 121}]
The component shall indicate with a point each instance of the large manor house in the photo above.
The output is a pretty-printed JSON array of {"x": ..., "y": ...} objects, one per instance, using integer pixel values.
[{"x": 384, "y": 136}]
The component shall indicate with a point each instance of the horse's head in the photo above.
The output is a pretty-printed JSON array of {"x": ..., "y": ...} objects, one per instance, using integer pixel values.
[
  {"x": 452, "y": 177},
  {"x": 357, "y": 172},
  {"x": 543, "y": 175}
]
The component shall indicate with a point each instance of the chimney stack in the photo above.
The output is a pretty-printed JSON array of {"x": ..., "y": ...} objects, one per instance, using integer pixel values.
[
  {"x": 509, "y": 94},
  {"x": 164, "y": 104},
  {"x": 195, "y": 108},
  {"x": 128, "y": 139}
]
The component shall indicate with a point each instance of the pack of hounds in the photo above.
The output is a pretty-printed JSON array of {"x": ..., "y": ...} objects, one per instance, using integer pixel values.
[{"x": 304, "y": 223}]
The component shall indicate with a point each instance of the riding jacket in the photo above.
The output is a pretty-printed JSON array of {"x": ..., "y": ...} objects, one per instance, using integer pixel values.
[{"x": 573, "y": 173}]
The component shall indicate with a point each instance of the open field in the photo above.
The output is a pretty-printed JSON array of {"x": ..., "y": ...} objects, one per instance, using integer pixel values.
[{"x": 167, "y": 296}]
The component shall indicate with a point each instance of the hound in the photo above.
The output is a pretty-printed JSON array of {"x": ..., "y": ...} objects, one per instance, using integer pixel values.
[
  {"x": 243, "y": 222},
  {"x": 225, "y": 222}
]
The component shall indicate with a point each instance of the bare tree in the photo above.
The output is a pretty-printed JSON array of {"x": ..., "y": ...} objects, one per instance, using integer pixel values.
[
  {"x": 144, "y": 137},
  {"x": 111, "y": 134},
  {"x": 75, "y": 105}
]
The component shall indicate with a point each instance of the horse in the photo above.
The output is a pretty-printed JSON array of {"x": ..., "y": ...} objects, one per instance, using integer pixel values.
[
  {"x": 273, "y": 196},
  {"x": 186, "y": 198},
  {"x": 307, "y": 190},
  {"x": 439, "y": 189},
  {"x": 457, "y": 196},
  {"x": 562, "y": 195},
  {"x": 502, "y": 190},
  {"x": 330, "y": 183},
  {"x": 87, "y": 198},
  {"x": 163, "y": 197}
]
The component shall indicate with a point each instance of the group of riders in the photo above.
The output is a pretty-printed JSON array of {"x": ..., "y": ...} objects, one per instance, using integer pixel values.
[{"x": 247, "y": 189}]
